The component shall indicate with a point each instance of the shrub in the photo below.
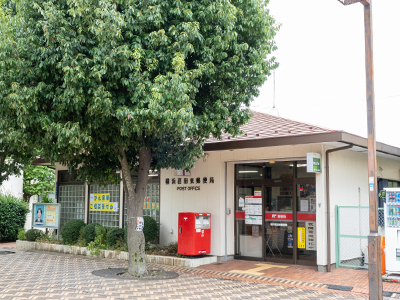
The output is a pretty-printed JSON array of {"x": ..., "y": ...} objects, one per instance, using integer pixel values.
[
  {"x": 70, "y": 231},
  {"x": 150, "y": 229},
  {"x": 33, "y": 234},
  {"x": 89, "y": 232},
  {"x": 100, "y": 240},
  {"x": 21, "y": 234},
  {"x": 13, "y": 212},
  {"x": 113, "y": 235}
]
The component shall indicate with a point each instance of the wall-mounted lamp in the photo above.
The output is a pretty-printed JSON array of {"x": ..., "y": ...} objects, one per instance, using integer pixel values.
[
  {"x": 272, "y": 161},
  {"x": 205, "y": 157}
]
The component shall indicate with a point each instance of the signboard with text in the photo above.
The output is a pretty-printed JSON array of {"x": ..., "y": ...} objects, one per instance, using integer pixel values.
[
  {"x": 313, "y": 162},
  {"x": 46, "y": 215}
]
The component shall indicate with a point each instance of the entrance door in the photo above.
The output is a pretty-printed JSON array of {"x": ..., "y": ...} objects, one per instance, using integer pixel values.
[
  {"x": 249, "y": 221},
  {"x": 306, "y": 224},
  {"x": 279, "y": 223}
]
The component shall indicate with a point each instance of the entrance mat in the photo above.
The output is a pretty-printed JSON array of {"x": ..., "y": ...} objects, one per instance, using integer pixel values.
[
  {"x": 387, "y": 294},
  {"x": 340, "y": 287}
]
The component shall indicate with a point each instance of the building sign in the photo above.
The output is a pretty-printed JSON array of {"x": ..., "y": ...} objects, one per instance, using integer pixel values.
[
  {"x": 301, "y": 237},
  {"x": 188, "y": 184},
  {"x": 46, "y": 215},
  {"x": 101, "y": 202},
  {"x": 310, "y": 236},
  {"x": 253, "y": 210},
  {"x": 278, "y": 216},
  {"x": 313, "y": 162}
]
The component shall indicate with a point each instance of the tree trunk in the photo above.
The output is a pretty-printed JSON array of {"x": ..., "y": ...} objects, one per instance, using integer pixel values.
[{"x": 134, "y": 204}]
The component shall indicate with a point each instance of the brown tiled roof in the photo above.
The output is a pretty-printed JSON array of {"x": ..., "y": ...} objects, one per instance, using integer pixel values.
[{"x": 262, "y": 126}]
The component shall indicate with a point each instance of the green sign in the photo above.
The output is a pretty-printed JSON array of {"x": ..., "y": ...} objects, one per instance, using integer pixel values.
[{"x": 313, "y": 162}]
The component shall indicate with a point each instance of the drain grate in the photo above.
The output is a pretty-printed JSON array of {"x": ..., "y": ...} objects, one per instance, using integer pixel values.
[
  {"x": 387, "y": 294},
  {"x": 6, "y": 252},
  {"x": 340, "y": 287}
]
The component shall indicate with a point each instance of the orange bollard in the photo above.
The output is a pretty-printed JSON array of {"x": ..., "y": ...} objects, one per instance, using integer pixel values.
[{"x": 383, "y": 257}]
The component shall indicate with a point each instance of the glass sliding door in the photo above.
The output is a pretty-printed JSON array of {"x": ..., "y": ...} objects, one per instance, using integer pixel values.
[
  {"x": 249, "y": 221},
  {"x": 306, "y": 224},
  {"x": 278, "y": 223}
]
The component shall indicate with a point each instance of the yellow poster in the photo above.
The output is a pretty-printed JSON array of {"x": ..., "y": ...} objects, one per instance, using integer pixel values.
[
  {"x": 51, "y": 215},
  {"x": 101, "y": 202},
  {"x": 301, "y": 237},
  {"x": 153, "y": 206}
]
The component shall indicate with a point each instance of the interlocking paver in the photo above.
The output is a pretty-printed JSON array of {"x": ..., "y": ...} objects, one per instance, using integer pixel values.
[{"x": 43, "y": 275}]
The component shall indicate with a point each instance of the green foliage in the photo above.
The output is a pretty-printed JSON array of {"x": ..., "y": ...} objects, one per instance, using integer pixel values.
[
  {"x": 70, "y": 232},
  {"x": 150, "y": 229},
  {"x": 33, "y": 234},
  {"x": 13, "y": 213},
  {"x": 113, "y": 235},
  {"x": 49, "y": 237},
  {"x": 46, "y": 199},
  {"x": 38, "y": 180},
  {"x": 21, "y": 235},
  {"x": 103, "y": 76},
  {"x": 99, "y": 242},
  {"x": 89, "y": 232}
]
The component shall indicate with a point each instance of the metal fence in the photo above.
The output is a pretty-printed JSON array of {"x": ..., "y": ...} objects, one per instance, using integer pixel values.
[{"x": 352, "y": 229}]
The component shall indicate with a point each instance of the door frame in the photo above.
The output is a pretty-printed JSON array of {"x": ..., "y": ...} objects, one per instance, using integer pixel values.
[{"x": 263, "y": 183}]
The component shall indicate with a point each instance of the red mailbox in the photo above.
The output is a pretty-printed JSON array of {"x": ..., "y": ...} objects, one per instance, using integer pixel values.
[{"x": 194, "y": 235}]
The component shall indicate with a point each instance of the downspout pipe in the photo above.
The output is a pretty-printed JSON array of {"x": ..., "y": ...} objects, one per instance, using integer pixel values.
[
  {"x": 226, "y": 210},
  {"x": 328, "y": 205}
]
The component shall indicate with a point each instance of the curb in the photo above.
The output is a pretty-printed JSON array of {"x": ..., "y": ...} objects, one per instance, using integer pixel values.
[{"x": 120, "y": 255}]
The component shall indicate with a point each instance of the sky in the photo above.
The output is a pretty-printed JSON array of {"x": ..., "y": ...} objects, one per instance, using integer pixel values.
[{"x": 321, "y": 74}]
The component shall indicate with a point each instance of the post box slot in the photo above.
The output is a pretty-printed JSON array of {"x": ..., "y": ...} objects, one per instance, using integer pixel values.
[
  {"x": 198, "y": 221},
  {"x": 206, "y": 223}
]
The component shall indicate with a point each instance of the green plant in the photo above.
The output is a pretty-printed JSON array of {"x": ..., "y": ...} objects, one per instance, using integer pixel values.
[
  {"x": 99, "y": 242},
  {"x": 150, "y": 230},
  {"x": 13, "y": 213},
  {"x": 33, "y": 234},
  {"x": 121, "y": 245},
  {"x": 113, "y": 235},
  {"x": 21, "y": 234},
  {"x": 89, "y": 232},
  {"x": 46, "y": 199},
  {"x": 71, "y": 230},
  {"x": 38, "y": 180}
]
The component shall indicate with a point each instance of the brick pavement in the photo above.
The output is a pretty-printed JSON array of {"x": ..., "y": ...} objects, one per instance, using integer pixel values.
[
  {"x": 42, "y": 275},
  {"x": 358, "y": 279}
]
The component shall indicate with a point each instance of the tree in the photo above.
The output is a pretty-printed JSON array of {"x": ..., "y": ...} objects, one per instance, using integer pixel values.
[
  {"x": 14, "y": 153},
  {"x": 132, "y": 85},
  {"x": 38, "y": 180}
]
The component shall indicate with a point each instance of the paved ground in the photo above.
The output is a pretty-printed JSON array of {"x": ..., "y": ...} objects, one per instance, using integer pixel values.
[{"x": 42, "y": 275}]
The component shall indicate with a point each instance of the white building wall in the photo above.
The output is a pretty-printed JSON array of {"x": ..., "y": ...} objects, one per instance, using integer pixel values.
[
  {"x": 13, "y": 186},
  {"x": 211, "y": 197},
  {"x": 349, "y": 186}
]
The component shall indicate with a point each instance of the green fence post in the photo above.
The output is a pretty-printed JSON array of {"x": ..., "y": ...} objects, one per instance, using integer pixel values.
[{"x": 337, "y": 227}]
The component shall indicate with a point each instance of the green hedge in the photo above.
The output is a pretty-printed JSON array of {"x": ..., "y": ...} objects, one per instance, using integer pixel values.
[
  {"x": 113, "y": 235},
  {"x": 71, "y": 230},
  {"x": 13, "y": 213},
  {"x": 150, "y": 229},
  {"x": 89, "y": 232},
  {"x": 33, "y": 234}
]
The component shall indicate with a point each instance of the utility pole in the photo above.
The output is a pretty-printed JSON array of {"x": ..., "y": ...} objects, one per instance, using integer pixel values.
[{"x": 374, "y": 239}]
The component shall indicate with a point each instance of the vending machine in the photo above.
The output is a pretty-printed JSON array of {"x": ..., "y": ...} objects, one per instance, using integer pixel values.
[
  {"x": 392, "y": 230},
  {"x": 194, "y": 236}
]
